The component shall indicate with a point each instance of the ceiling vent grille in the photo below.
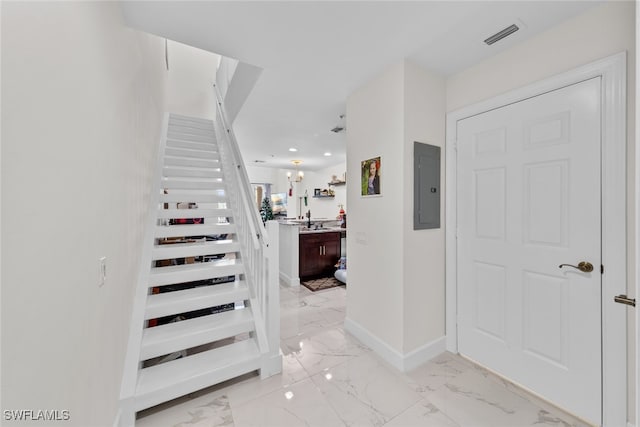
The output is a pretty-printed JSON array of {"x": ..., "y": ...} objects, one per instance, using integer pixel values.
[{"x": 502, "y": 34}]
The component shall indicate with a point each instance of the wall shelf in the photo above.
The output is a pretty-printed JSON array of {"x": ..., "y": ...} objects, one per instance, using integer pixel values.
[
  {"x": 324, "y": 197},
  {"x": 337, "y": 183}
]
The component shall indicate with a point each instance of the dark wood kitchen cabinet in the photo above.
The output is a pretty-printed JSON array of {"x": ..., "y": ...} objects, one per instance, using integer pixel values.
[{"x": 319, "y": 252}]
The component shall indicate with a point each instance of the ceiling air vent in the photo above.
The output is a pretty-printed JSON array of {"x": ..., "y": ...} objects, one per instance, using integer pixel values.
[
  {"x": 502, "y": 34},
  {"x": 340, "y": 126}
]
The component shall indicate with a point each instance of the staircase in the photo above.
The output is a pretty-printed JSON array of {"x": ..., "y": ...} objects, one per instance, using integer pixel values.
[{"x": 206, "y": 309}]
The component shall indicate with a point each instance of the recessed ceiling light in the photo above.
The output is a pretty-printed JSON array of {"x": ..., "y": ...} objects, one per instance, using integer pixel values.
[
  {"x": 293, "y": 150},
  {"x": 327, "y": 154}
]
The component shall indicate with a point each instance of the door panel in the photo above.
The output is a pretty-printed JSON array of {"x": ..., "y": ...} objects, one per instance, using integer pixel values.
[{"x": 528, "y": 201}]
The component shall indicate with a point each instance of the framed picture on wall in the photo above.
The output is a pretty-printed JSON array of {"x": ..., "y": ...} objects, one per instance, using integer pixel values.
[{"x": 371, "y": 178}]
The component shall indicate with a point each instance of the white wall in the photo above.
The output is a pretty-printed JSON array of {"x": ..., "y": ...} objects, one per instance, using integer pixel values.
[
  {"x": 396, "y": 273},
  {"x": 601, "y": 31},
  {"x": 423, "y": 261},
  {"x": 375, "y": 127},
  {"x": 319, "y": 207},
  {"x": 260, "y": 175},
  {"x": 325, "y": 207},
  {"x": 191, "y": 76},
  {"x": 78, "y": 146}
]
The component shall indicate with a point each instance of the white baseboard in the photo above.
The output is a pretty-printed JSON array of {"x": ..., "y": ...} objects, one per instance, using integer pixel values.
[
  {"x": 402, "y": 362},
  {"x": 424, "y": 353},
  {"x": 290, "y": 281}
]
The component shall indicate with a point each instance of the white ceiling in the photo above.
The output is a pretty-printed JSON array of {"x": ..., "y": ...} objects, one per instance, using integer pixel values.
[{"x": 315, "y": 53}]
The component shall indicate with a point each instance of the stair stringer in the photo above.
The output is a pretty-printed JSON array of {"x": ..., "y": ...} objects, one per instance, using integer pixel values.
[{"x": 136, "y": 328}]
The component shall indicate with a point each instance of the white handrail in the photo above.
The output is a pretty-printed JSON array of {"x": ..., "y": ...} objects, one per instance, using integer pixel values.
[
  {"x": 258, "y": 230},
  {"x": 259, "y": 250}
]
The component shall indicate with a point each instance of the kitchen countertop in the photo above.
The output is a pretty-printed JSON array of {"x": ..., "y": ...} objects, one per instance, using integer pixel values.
[
  {"x": 305, "y": 230},
  {"x": 314, "y": 221}
]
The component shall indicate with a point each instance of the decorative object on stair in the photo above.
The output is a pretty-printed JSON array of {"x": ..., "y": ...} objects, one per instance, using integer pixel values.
[{"x": 321, "y": 284}]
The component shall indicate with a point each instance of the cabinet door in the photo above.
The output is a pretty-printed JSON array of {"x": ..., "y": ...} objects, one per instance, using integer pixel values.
[
  {"x": 310, "y": 255},
  {"x": 331, "y": 252}
]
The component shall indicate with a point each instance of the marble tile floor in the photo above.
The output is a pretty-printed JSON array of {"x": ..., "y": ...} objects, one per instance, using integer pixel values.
[{"x": 330, "y": 379}]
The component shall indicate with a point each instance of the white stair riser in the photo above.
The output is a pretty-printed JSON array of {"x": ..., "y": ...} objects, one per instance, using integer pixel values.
[
  {"x": 165, "y": 231},
  {"x": 172, "y": 251},
  {"x": 194, "y": 213},
  {"x": 202, "y": 272},
  {"x": 165, "y": 304},
  {"x": 192, "y": 185},
  {"x": 181, "y": 161},
  {"x": 198, "y": 336},
  {"x": 191, "y": 173},
  {"x": 191, "y": 154}
]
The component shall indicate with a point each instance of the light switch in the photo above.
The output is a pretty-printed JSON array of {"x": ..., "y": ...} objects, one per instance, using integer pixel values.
[{"x": 102, "y": 273}]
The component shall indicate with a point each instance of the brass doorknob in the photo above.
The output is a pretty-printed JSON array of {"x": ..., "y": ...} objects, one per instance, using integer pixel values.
[{"x": 585, "y": 267}]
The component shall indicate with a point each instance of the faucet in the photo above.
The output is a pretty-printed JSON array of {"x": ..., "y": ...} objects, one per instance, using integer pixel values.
[{"x": 308, "y": 215}]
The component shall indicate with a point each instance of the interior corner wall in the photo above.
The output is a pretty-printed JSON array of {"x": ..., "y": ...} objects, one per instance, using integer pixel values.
[
  {"x": 424, "y": 250},
  {"x": 191, "y": 75},
  {"x": 375, "y": 123},
  {"x": 602, "y": 31},
  {"x": 82, "y": 99},
  {"x": 325, "y": 207}
]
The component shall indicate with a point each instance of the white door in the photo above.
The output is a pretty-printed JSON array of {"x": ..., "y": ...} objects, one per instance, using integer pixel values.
[{"x": 528, "y": 201}]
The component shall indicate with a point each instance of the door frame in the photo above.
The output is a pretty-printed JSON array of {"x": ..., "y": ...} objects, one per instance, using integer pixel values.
[{"x": 613, "y": 72}]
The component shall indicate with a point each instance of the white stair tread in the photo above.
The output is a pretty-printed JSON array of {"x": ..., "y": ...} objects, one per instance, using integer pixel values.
[
  {"x": 192, "y": 154},
  {"x": 191, "y": 185},
  {"x": 168, "y": 171},
  {"x": 190, "y": 130},
  {"x": 169, "y": 380},
  {"x": 182, "y": 136},
  {"x": 175, "y": 116},
  {"x": 183, "y": 161},
  {"x": 186, "y": 230},
  {"x": 183, "y": 250},
  {"x": 180, "y": 142},
  {"x": 179, "y": 197},
  {"x": 215, "y": 166},
  {"x": 194, "y": 213},
  {"x": 176, "y": 336},
  {"x": 161, "y": 276},
  {"x": 176, "y": 124},
  {"x": 167, "y": 303},
  {"x": 192, "y": 125},
  {"x": 166, "y": 179},
  {"x": 204, "y": 146}
]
